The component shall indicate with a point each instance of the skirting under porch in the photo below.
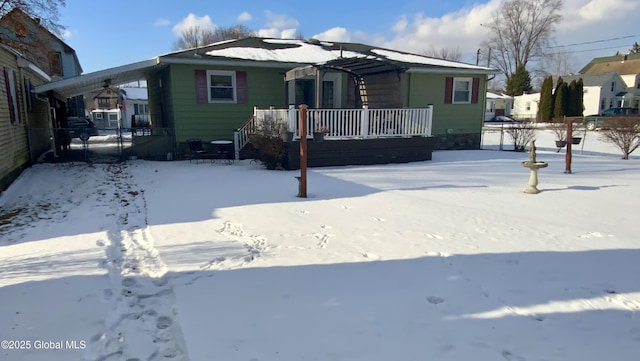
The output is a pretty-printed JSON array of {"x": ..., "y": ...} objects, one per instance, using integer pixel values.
[{"x": 360, "y": 152}]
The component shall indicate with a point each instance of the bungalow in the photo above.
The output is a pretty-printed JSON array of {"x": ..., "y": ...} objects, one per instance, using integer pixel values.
[
  {"x": 498, "y": 104},
  {"x": 211, "y": 91}
]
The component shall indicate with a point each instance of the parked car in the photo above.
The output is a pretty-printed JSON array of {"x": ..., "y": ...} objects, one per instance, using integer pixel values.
[
  {"x": 78, "y": 126},
  {"x": 502, "y": 118},
  {"x": 593, "y": 122}
]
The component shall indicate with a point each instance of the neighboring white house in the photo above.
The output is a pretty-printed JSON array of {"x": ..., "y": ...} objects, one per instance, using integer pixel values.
[
  {"x": 525, "y": 107},
  {"x": 498, "y": 104},
  {"x": 134, "y": 105},
  {"x": 601, "y": 91}
]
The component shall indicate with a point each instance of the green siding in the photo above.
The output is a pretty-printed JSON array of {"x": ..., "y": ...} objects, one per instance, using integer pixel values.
[
  {"x": 265, "y": 87},
  {"x": 427, "y": 89}
]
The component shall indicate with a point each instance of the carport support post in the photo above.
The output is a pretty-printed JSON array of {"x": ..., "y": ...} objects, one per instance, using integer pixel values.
[
  {"x": 567, "y": 159},
  {"x": 302, "y": 179}
]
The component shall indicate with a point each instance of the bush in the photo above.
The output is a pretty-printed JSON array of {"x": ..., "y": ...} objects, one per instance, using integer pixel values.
[
  {"x": 268, "y": 143},
  {"x": 521, "y": 134},
  {"x": 624, "y": 133},
  {"x": 559, "y": 128}
]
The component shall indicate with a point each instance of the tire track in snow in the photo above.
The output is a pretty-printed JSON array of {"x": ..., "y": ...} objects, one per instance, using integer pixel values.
[{"x": 141, "y": 320}]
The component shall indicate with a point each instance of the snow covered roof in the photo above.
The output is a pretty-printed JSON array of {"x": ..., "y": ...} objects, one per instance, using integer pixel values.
[
  {"x": 266, "y": 52},
  {"x": 135, "y": 93},
  {"x": 491, "y": 95},
  {"x": 314, "y": 52}
]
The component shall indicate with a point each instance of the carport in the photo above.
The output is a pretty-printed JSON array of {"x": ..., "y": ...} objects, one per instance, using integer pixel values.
[{"x": 57, "y": 92}]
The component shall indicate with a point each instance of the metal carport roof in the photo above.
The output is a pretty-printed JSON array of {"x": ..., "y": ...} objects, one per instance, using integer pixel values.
[{"x": 86, "y": 83}]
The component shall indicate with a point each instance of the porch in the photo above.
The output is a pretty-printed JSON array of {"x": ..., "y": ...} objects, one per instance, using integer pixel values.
[{"x": 353, "y": 136}]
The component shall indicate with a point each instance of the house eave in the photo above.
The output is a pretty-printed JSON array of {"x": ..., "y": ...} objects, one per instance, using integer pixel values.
[
  {"x": 453, "y": 70},
  {"x": 231, "y": 62}
]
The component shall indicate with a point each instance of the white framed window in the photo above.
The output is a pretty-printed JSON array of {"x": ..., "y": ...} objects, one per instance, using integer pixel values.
[
  {"x": 221, "y": 86},
  {"x": 98, "y": 115},
  {"x": 462, "y": 90}
]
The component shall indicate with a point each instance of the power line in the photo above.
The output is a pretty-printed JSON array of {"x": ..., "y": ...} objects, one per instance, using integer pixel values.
[
  {"x": 594, "y": 41},
  {"x": 587, "y": 50}
]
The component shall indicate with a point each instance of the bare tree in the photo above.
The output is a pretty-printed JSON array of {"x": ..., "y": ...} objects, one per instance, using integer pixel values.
[
  {"x": 453, "y": 54},
  {"x": 194, "y": 37},
  {"x": 624, "y": 133},
  {"x": 520, "y": 29},
  {"x": 558, "y": 64},
  {"x": 47, "y": 11}
]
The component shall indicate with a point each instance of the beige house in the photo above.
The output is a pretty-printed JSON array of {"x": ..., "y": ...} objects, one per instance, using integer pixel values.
[{"x": 24, "y": 129}]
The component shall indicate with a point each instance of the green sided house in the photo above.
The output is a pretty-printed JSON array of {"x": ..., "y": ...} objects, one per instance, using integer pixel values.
[{"x": 353, "y": 91}]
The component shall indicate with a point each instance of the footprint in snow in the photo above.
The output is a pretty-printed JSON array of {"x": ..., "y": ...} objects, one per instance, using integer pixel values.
[
  {"x": 163, "y": 322},
  {"x": 378, "y": 219},
  {"x": 128, "y": 282}
]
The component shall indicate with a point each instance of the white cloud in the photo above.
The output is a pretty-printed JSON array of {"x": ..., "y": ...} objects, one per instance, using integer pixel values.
[
  {"x": 161, "y": 22},
  {"x": 583, "y": 21},
  {"x": 244, "y": 16},
  {"x": 280, "y": 21},
  {"x": 203, "y": 22},
  {"x": 279, "y": 26},
  {"x": 334, "y": 34},
  {"x": 66, "y": 34},
  {"x": 460, "y": 29}
]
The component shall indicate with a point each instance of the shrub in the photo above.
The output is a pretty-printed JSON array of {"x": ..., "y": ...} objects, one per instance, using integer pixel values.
[
  {"x": 624, "y": 133},
  {"x": 268, "y": 143},
  {"x": 559, "y": 128},
  {"x": 521, "y": 133}
]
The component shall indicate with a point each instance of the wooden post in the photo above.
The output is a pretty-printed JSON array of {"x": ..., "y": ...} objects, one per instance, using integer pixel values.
[
  {"x": 302, "y": 179},
  {"x": 567, "y": 160}
]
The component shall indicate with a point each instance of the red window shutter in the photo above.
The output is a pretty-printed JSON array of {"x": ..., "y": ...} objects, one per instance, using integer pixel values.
[
  {"x": 7, "y": 83},
  {"x": 241, "y": 87},
  {"x": 448, "y": 90},
  {"x": 475, "y": 88},
  {"x": 202, "y": 93}
]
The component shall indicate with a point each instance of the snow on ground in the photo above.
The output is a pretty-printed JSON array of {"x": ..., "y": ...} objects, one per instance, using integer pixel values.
[{"x": 440, "y": 260}]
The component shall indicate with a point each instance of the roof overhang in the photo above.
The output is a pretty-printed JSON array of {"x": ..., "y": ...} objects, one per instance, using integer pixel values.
[
  {"x": 486, "y": 71},
  {"x": 90, "y": 82}
]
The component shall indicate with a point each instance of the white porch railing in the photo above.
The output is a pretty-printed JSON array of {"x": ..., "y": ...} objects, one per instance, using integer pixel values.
[{"x": 362, "y": 123}]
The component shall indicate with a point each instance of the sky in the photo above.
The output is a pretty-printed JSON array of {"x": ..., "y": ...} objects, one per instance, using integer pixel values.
[
  {"x": 446, "y": 259},
  {"x": 120, "y": 32}
]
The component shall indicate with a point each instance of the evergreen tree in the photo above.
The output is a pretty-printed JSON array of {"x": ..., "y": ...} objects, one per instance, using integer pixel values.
[
  {"x": 635, "y": 49},
  {"x": 580, "y": 91},
  {"x": 560, "y": 104},
  {"x": 519, "y": 82},
  {"x": 545, "y": 109}
]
